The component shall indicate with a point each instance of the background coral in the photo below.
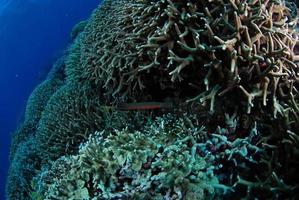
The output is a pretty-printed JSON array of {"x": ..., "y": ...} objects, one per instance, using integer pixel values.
[
  {"x": 36, "y": 104},
  {"x": 24, "y": 159},
  {"x": 23, "y": 168},
  {"x": 71, "y": 115},
  {"x": 212, "y": 48},
  {"x": 78, "y": 28},
  {"x": 68, "y": 117}
]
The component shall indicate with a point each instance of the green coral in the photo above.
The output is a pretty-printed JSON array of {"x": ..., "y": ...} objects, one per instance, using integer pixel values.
[
  {"x": 71, "y": 115},
  {"x": 78, "y": 28},
  {"x": 152, "y": 163},
  {"x": 172, "y": 155},
  {"x": 37, "y": 102},
  {"x": 68, "y": 118},
  {"x": 24, "y": 165}
]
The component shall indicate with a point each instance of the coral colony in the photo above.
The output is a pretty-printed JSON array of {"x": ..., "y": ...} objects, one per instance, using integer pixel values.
[{"x": 167, "y": 99}]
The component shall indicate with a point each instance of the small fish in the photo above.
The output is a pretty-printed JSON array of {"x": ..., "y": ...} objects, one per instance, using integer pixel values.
[
  {"x": 140, "y": 106},
  {"x": 143, "y": 106}
]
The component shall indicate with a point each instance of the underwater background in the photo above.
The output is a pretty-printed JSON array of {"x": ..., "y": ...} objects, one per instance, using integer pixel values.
[{"x": 33, "y": 34}]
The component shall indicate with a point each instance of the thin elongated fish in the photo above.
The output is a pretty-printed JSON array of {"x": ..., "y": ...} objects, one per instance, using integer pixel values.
[{"x": 140, "y": 106}]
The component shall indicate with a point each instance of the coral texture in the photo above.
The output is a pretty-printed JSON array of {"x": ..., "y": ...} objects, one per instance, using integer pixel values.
[
  {"x": 223, "y": 78},
  {"x": 169, "y": 158},
  {"x": 211, "y": 48},
  {"x": 24, "y": 159}
]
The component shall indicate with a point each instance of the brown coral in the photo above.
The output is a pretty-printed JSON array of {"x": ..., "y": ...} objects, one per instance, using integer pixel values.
[{"x": 219, "y": 49}]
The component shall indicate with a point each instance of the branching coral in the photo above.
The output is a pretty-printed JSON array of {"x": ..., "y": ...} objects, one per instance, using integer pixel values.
[
  {"x": 236, "y": 59},
  {"x": 171, "y": 157},
  {"x": 78, "y": 28},
  {"x": 24, "y": 161},
  {"x": 136, "y": 165},
  {"x": 37, "y": 103},
  {"x": 39, "y": 98},
  {"x": 213, "y": 48},
  {"x": 24, "y": 165},
  {"x": 68, "y": 118},
  {"x": 71, "y": 114},
  {"x": 278, "y": 164}
]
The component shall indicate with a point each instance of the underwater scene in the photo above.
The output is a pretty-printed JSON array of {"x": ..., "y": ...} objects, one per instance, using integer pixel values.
[
  {"x": 33, "y": 34},
  {"x": 164, "y": 100}
]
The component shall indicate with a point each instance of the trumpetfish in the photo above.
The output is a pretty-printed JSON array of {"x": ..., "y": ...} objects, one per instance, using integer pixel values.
[{"x": 140, "y": 106}]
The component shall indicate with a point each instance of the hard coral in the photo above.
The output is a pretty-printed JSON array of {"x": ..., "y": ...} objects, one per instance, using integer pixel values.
[
  {"x": 153, "y": 163},
  {"x": 70, "y": 116},
  {"x": 224, "y": 56},
  {"x": 171, "y": 157},
  {"x": 214, "y": 48},
  {"x": 24, "y": 159},
  {"x": 25, "y": 163},
  {"x": 36, "y": 104}
]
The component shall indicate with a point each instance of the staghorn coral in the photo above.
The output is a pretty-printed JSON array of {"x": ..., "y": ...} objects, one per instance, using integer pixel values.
[
  {"x": 77, "y": 29},
  {"x": 276, "y": 177},
  {"x": 36, "y": 104},
  {"x": 292, "y": 7},
  {"x": 219, "y": 47},
  {"x": 39, "y": 98}
]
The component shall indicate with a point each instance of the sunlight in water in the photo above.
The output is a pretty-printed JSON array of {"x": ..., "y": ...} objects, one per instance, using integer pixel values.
[{"x": 4, "y": 4}]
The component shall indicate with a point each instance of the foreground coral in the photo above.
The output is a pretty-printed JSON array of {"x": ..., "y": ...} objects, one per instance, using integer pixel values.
[{"x": 171, "y": 158}]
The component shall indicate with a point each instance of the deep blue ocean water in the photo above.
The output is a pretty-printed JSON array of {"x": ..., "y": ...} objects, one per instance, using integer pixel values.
[{"x": 33, "y": 33}]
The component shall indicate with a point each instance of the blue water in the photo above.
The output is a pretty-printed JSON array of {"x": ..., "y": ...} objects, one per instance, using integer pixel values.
[{"x": 33, "y": 33}]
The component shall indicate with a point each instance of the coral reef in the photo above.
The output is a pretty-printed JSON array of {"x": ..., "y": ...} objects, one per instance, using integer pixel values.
[
  {"x": 24, "y": 166},
  {"x": 68, "y": 117},
  {"x": 24, "y": 159},
  {"x": 170, "y": 158},
  {"x": 37, "y": 103},
  {"x": 291, "y": 4},
  {"x": 218, "y": 47},
  {"x": 78, "y": 28},
  {"x": 71, "y": 115},
  {"x": 222, "y": 76}
]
